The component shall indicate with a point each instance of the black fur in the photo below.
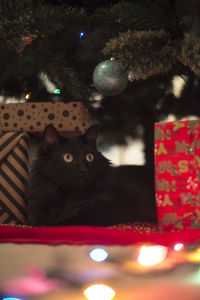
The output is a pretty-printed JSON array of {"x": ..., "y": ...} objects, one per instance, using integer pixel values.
[{"x": 82, "y": 192}]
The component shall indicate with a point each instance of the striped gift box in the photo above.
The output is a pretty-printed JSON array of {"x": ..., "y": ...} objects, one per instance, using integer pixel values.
[{"x": 13, "y": 177}]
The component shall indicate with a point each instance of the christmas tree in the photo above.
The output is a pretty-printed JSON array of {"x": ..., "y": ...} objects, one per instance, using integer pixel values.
[{"x": 156, "y": 41}]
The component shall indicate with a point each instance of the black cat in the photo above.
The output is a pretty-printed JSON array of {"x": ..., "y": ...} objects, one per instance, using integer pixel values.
[{"x": 72, "y": 183}]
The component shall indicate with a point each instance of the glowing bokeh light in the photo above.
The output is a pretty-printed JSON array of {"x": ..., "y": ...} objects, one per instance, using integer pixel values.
[
  {"x": 98, "y": 254},
  {"x": 99, "y": 292},
  {"x": 178, "y": 247},
  {"x": 194, "y": 256},
  {"x": 194, "y": 278},
  {"x": 152, "y": 255},
  {"x": 11, "y": 298}
]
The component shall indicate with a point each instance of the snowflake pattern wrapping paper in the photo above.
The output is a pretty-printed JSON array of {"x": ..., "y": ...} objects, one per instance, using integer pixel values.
[{"x": 177, "y": 174}]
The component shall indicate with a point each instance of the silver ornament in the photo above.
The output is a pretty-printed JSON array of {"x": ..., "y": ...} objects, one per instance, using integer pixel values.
[{"x": 110, "y": 77}]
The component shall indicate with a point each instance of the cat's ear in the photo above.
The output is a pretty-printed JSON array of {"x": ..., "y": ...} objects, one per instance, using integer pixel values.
[
  {"x": 90, "y": 136},
  {"x": 50, "y": 137}
]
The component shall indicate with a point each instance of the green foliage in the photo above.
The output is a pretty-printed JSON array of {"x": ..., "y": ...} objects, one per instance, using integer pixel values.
[
  {"x": 134, "y": 50},
  {"x": 190, "y": 53},
  {"x": 134, "y": 15},
  {"x": 38, "y": 38},
  {"x": 112, "y": 21},
  {"x": 16, "y": 23}
]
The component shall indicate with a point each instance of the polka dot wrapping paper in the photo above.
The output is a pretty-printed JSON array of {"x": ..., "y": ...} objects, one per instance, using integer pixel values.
[
  {"x": 177, "y": 174},
  {"x": 34, "y": 117}
]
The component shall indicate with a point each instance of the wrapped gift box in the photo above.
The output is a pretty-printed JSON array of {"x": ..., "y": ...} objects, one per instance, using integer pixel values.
[
  {"x": 16, "y": 121},
  {"x": 13, "y": 177},
  {"x": 34, "y": 117},
  {"x": 177, "y": 174}
]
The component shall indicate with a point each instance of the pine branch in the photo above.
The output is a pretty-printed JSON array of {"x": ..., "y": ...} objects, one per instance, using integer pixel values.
[
  {"x": 53, "y": 41},
  {"x": 21, "y": 24},
  {"x": 133, "y": 15},
  {"x": 110, "y": 22},
  {"x": 144, "y": 53},
  {"x": 189, "y": 54}
]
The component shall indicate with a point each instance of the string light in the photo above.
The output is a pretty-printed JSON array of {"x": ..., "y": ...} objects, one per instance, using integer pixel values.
[
  {"x": 56, "y": 91},
  {"x": 82, "y": 34},
  {"x": 152, "y": 255},
  {"x": 178, "y": 247},
  {"x": 98, "y": 254},
  {"x": 28, "y": 96},
  {"x": 99, "y": 292}
]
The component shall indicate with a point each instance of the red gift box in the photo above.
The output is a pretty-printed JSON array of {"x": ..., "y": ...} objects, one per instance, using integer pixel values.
[{"x": 177, "y": 174}]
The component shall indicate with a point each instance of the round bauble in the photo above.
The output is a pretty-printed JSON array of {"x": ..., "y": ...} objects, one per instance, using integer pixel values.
[{"x": 110, "y": 77}]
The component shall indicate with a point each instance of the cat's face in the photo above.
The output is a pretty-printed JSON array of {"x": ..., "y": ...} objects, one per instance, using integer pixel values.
[{"x": 74, "y": 163}]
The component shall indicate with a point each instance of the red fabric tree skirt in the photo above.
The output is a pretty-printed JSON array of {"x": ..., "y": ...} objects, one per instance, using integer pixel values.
[{"x": 76, "y": 235}]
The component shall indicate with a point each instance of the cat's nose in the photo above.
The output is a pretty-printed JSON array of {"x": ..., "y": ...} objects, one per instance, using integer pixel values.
[{"x": 82, "y": 169}]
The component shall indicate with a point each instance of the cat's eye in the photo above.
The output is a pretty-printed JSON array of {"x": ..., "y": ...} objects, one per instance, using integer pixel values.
[
  {"x": 68, "y": 157},
  {"x": 90, "y": 157}
]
